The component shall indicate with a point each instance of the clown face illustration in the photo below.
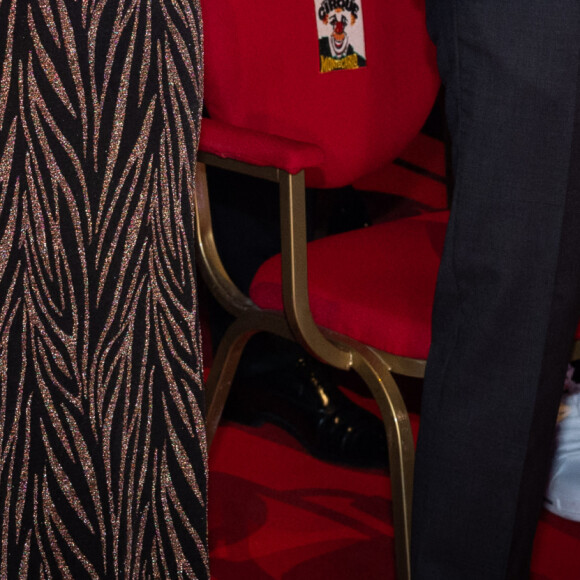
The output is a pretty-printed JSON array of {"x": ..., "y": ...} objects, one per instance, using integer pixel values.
[
  {"x": 340, "y": 34},
  {"x": 339, "y": 40}
]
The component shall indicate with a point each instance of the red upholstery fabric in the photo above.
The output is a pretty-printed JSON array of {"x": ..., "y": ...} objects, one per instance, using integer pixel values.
[
  {"x": 424, "y": 152},
  {"x": 405, "y": 183},
  {"x": 375, "y": 284},
  {"x": 262, "y": 73},
  {"x": 257, "y": 148}
]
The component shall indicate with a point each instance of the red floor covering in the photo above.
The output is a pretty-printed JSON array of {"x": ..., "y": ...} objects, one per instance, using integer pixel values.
[{"x": 277, "y": 513}]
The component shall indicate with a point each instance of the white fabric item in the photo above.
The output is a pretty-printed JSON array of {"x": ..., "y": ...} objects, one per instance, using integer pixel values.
[{"x": 563, "y": 491}]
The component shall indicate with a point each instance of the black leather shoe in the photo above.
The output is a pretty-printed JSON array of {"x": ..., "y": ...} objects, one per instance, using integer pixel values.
[{"x": 304, "y": 400}]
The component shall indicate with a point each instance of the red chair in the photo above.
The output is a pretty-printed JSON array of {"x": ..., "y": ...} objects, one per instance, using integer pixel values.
[
  {"x": 418, "y": 174},
  {"x": 364, "y": 301}
]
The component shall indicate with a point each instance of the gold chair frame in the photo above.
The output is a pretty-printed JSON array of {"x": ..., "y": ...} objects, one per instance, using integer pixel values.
[{"x": 375, "y": 367}]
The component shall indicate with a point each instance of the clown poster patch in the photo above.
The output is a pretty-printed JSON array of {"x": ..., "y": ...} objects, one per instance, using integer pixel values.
[{"x": 341, "y": 38}]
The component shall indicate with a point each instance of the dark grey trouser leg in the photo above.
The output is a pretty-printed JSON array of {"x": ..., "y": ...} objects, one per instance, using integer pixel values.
[{"x": 508, "y": 293}]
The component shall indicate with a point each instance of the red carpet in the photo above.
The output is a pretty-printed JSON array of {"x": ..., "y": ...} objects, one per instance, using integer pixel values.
[{"x": 277, "y": 513}]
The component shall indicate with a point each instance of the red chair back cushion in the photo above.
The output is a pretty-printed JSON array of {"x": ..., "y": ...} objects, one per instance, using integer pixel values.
[{"x": 263, "y": 72}]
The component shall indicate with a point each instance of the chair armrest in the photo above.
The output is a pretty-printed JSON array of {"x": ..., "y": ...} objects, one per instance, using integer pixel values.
[{"x": 256, "y": 148}]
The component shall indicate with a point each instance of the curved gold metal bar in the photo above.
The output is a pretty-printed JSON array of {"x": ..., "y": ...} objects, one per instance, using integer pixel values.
[
  {"x": 402, "y": 365},
  {"x": 382, "y": 385},
  {"x": 221, "y": 376},
  {"x": 228, "y": 355},
  {"x": 295, "y": 274},
  {"x": 269, "y": 173},
  {"x": 375, "y": 368},
  {"x": 211, "y": 266}
]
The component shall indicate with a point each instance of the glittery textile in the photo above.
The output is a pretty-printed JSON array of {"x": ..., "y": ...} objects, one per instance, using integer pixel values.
[{"x": 103, "y": 459}]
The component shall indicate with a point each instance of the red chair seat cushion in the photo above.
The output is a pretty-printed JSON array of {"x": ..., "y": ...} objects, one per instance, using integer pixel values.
[{"x": 375, "y": 284}]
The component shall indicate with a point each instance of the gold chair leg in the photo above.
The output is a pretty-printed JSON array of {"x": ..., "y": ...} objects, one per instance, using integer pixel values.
[
  {"x": 222, "y": 374},
  {"x": 376, "y": 374},
  {"x": 228, "y": 356}
]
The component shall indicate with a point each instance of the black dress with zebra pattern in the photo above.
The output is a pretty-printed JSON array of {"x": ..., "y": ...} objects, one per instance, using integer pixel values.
[{"x": 103, "y": 459}]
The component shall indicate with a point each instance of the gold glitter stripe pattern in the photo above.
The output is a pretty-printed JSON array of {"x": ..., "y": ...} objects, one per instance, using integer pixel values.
[{"x": 103, "y": 458}]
